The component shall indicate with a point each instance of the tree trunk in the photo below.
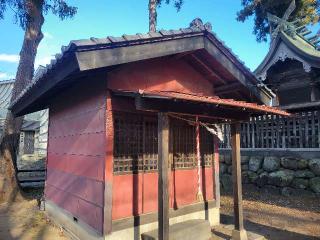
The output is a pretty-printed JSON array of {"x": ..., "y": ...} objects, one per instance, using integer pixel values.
[
  {"x": 9, "y": 187},
  {"x": 152, "y": 15}
]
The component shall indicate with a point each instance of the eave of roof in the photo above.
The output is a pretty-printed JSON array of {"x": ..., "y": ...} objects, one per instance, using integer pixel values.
[
  {"x": 74, "y": 58},
  {"x": 250, "y": 108}
]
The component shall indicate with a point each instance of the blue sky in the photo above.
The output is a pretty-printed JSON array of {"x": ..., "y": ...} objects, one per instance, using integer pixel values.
[{"x": 100, "y": 18}]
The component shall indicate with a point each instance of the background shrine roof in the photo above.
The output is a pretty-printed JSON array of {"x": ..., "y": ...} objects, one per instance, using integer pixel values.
[
  {"x": 94, "y": 53},
  {"x": 285, "y": 47}
]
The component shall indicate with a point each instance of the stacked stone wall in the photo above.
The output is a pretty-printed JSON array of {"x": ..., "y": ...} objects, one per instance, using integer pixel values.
[{"x": 287, "y": 174}]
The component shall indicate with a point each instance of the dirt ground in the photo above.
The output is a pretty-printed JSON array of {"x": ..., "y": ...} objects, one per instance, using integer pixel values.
[
  {"x": 275, "y": 216},
  {"x": 23, "y": 220},
  {"x": 267, "y": 213}
]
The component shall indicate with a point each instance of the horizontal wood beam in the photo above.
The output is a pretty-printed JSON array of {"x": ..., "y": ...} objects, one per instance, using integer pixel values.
[
  {"x": 190, "y": 108},
  {"x": 113, "y": 56},
  {"x": 181, "y": 55},
  {"x": 231, "y": 87}
]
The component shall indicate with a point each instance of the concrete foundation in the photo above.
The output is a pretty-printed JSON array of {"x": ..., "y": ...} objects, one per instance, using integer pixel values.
[
  {"x": 188, "y": 230},
  {"x": 135, "y": 232},
  {"x": 227, "y": 232},
  {"x": 239, "y": 235},
  {"x": 75, "y": 229},
  {"x": 79, "y": 230}
]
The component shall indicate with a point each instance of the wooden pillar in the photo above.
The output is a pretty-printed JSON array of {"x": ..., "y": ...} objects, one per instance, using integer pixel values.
[
  {"x": 216, "y": 171},
  {"x": 238, "y": 233},
  {"x": 163, "y": 176},
  {"x": 107, "y": 222}
]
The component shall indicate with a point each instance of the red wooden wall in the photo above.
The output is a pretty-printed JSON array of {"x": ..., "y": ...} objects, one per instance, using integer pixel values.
[
  {"x": 165, "y": 74},
  {"x": 80, "y": 149},
  {"x": 76, "y": 151},
  {"x": 137, "y": 193}
]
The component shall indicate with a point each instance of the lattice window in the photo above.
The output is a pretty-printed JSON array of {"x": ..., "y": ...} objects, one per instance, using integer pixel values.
[
  {"x": 206, "y": 147},
  {"x": 135, "y": 143},
  {"x": 184, "y": 145}
]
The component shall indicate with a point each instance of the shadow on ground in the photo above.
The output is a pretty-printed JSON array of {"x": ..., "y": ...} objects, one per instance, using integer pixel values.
[
  {"x": 271, "y": 233},
  {"x": 21, "y": 219},
  {"x": 271, "y": 195}
]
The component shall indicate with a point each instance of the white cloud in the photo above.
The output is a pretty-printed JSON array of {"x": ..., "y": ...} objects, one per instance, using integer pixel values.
[
  {"x": 43, "y": 60},
  {"x": 47, "y": 35},
  {"x": 14, "y": 58},
  {"x": 5, "y": 76}
]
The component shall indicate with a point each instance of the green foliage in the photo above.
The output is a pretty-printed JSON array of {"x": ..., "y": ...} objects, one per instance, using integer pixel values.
[
  {"x": 306, "y": 10},
  {"x": 177, "y": 3},
  {"x": 21, "y": 9}
]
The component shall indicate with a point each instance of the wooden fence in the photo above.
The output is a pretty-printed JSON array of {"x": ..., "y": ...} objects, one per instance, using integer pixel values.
[{"x": 299, "y": 131}]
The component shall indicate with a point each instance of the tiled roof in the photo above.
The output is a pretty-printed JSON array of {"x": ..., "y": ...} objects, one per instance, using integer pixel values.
[
  {"x": 196, "y": 28},
  {"x": 212, "y": 100}
]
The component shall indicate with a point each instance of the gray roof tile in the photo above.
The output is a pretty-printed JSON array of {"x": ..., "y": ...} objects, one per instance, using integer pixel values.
[
  {"x": 116, "y": 39},
  {"x": 143, "y": 35},
  {"x": 166, "y": 32},
  {"x": 131, "y": 37},
  {"x": 155, "y": 34},
  {"x": 186, "y": 30}
]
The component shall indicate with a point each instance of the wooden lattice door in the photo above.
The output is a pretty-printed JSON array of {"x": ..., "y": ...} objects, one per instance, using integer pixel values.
[{"x": 29, "y": 142}]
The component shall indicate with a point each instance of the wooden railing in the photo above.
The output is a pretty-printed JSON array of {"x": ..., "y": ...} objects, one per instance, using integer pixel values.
[{"x": 302, "y": 130}]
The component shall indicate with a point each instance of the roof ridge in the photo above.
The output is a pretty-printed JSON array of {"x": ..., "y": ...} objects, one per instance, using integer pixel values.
[{"x": 195, "y": 28}]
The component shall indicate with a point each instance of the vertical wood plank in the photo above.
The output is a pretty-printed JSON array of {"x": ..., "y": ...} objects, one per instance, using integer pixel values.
[
  {"x": 163, "y": 163},
  {"x": 318, "y": 117},
  {"x": 306, "y": 130},
  {"x": 262, "y": 131},
  {"x": 294, "y": 129},
  {"x": 107, "y": 220},
  {"x": 277, "y": 131},
  {"x": 253, "y": 134},
  {"x": 273, "y": 132},
  {"x": 258, "y": 139},
  {"x": 216, "y": 171},
  {"x": 313, "y": 131},
  {"x": 300, "y": 131},
  {"x": 288, "y": 144},
  {"x": 236, "y": 172},
  {"x": 283, "y": 123},
  {"x": 248, "y": 135}
]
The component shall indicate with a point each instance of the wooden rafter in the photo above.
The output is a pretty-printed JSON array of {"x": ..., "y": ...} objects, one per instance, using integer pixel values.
[
  {"x": 208, "y": 69},
  {"x": 227, "y": 88}
]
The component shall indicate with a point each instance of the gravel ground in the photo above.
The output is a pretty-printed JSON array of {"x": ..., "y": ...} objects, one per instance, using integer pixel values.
[{"x": 275, "y": 216}]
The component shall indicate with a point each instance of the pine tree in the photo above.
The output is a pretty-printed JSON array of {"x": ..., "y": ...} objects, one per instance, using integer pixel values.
[
  {"x": 306, "y": 10},
  {"x": 153, "y": 4},
  {"x": 29, "y": 15}
]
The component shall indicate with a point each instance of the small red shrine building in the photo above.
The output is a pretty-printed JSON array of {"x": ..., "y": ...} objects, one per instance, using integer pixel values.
[{"x": 105, "y": 137}]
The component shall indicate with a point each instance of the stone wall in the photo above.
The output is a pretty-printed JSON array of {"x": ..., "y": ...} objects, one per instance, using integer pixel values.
[{"x": 286, "y": 174}]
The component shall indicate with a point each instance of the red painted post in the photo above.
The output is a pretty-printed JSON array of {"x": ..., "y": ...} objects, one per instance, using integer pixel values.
[{"x": 107, "y": 226}]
